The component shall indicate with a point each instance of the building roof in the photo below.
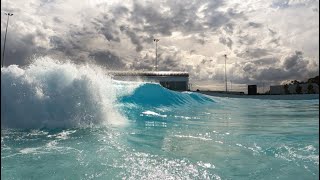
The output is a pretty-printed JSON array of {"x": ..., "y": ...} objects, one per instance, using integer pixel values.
[{"x": 149, "y": 73}]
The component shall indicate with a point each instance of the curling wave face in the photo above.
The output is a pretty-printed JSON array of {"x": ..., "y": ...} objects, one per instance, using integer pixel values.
[{"x": 51, "y": 94}]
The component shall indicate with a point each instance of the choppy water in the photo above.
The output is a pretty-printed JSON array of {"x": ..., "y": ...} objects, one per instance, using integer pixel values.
[{"x": 62, "y": 121}]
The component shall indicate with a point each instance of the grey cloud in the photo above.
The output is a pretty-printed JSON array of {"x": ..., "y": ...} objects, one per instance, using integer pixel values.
[
  {"x": 249, "y": 68},
  {"x": 200, "y": 38},
  {"x": 292, "y": 3},
  {"x": 57, "y": 20},
  {"x": 254, "y": 25},
  {"x": 275, "y": 39},
  {"x": 58, "y": 43},
  {"x": 272, "y": 32},
  {"x": 120, "y": 11},
  {"x": 134, "y": 39},
  {"x": 280, "y": 4},
  {"x": 229, "y": 28},
  {"x": 217, "y": 20},
  {"x": 271, "y": 69},
  {"x": 107, "y": 27},
  {"x": 236, "y": 15},
  {"x": 201, "y": 41},
  {"x": 265, "y": 61},
  {"x": 145, "y": 63},
  {"x": 226, "y": 41},
  {"x": 207, "y": 63},
  {"x": 193, "y": 51},
  {"x": 184, "y": 16},
  {"x": 295, "y": 62},
  {"x": 158, "y": 24},
  {"x": 253, "y": 53},
  {"x": 273, "y": 73},
  {"x": 169, "y": 63},
  {"x": 181, "y": 17},
  {"x": 20, "y": 50},
  {"x": 246, "y": 40},
  {"x": 70, "y": 47},
  {"x": 107, "y": 59}
]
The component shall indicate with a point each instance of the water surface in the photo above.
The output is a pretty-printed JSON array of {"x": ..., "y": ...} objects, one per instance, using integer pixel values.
[{"x": 75, "y": 122}]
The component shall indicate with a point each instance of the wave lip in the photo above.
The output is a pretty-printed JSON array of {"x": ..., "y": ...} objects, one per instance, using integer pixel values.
[{"x": 154, "y": 95}]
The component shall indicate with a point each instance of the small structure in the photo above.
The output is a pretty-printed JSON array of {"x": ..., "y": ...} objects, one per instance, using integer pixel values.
[
  {"x": 177, "y": 81},
  {"x": 252, "y": 89}
]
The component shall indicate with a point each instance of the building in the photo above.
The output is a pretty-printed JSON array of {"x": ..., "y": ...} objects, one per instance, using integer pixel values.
[
  {"x": 252, "y": 89},
  {"x": 177, "y": 81},
  {"x": 307, "y": 88}
]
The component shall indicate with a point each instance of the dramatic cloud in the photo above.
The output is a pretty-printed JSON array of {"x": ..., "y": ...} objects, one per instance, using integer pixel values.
[{"x": 266, "y": 41}]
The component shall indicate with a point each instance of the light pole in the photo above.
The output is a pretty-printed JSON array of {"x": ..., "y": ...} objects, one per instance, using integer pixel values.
[
  {"x": 225, "y": 72},
  {"x": 156, "y": 63},
  {"x": 5, "y": 38}
]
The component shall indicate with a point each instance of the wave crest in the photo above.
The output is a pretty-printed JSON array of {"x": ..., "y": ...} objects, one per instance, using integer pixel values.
[
  {"x": 151, "y": 94},
  {"x": 52, "y": 94}
]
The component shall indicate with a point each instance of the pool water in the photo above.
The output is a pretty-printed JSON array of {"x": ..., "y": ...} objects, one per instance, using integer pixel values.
[{"x": 71, "y": 122}]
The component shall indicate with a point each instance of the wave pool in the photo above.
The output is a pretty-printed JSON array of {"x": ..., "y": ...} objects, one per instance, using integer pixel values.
[{"x": 67, "y": 121}]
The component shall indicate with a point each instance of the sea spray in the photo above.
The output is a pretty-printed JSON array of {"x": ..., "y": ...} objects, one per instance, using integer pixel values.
[{"x": 51, "y": 94}]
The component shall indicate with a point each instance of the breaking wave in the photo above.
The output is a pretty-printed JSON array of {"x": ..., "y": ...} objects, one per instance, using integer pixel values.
[{"x": 52, "y": 94}]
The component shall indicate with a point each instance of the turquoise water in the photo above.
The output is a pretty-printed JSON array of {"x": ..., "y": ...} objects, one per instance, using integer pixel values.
[{"x": 63, "y": 121}]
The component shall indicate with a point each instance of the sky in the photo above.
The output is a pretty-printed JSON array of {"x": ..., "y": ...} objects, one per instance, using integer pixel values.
[{"x": 267, "y": 42}]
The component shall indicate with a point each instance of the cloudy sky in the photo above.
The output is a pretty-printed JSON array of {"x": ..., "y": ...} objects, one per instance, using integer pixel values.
[{"x": 267, "y": 41}]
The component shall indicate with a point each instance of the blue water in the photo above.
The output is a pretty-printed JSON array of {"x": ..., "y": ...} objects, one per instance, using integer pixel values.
[{"x": 65, "y": 121}]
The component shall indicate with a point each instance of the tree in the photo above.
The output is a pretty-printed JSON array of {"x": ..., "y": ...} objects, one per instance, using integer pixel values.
[
  {"x": 295, "y": 82},
  {"x": 298, "y": 89},
  {"x": 310, "y": 89},
  {"x": 314, "y": 80},
  {"x": 286, "y": 89}
]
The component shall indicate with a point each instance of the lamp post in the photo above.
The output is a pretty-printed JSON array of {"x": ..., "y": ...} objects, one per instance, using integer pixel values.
[
  {"x": 225, "y": 72},
  {"x": 156, "y": 63},
  {"x": 5, "y": 38}
]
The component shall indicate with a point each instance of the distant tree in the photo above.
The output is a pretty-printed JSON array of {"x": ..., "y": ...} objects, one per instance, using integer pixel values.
[
  {"x": 295, "y": 82},
  {"x": 310, "y": 89},
  {"x": 298, "y": 89},
  {"x": 314, "y": 80},
  {"x": 286, "y": 89}
]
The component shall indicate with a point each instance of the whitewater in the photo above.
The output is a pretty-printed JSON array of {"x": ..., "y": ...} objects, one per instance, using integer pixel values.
[{"x": 61, "y": 120}]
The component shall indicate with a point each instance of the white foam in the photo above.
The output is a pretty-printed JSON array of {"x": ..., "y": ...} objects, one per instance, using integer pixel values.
[
  {"x": 28, "y": 150},
  {"x": 193, "y": 137},
  {"x": 51, "y": 94},
  {"x": 151, "y": 113}
]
